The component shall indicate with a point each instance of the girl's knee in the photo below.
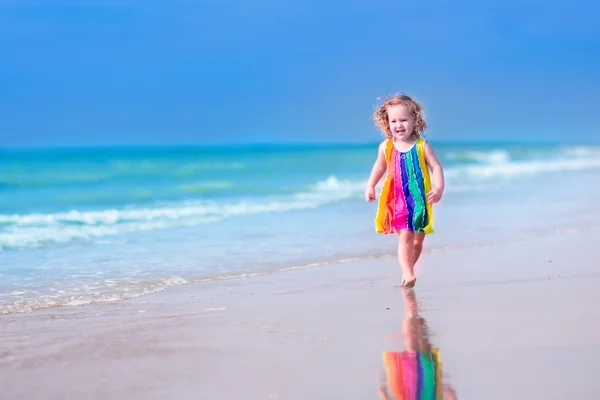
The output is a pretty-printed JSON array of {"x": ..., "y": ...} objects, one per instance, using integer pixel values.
[{"x": 419, "y": 239}]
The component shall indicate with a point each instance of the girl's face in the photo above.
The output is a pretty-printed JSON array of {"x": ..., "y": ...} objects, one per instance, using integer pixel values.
[{"x": 402, "y": 122}]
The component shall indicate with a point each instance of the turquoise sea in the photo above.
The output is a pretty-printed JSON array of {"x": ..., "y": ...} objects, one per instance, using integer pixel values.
[{"x": 79, "y": 226}]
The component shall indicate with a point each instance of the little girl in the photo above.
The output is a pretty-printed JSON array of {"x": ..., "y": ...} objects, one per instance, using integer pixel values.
[{"x": 407, "y": 195}]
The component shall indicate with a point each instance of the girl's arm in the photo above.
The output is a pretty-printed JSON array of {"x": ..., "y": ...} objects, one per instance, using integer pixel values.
[
  {"x": 438, "y": 175},
  {"x": 378, "y": 168},
  {"x": 377, "y": 172}
]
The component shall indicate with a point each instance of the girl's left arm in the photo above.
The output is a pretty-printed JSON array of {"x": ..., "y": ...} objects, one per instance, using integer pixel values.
[{"x": 438, "y": 174}]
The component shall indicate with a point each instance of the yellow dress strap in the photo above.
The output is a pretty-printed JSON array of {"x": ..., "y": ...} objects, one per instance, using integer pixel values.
[{"x": 389, "y": 146}]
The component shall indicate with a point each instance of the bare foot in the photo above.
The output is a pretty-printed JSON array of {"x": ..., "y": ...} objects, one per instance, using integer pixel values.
[{"x": 409, "y": 281}]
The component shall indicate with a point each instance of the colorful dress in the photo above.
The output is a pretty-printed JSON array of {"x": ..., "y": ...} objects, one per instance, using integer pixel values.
[
  {"x": 414, "y": 376},
  {"x": 403, "y": 200}
]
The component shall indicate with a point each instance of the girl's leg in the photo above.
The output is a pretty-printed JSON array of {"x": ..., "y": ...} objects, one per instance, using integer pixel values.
[
  {"x": 418, "y": 245},
  {"x": 406, "y": 257},
  {"x": 409, "y": 326}
]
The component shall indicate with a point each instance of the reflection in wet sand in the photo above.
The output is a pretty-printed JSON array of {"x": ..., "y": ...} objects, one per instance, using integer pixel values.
[{"x": 416, "y": 372}]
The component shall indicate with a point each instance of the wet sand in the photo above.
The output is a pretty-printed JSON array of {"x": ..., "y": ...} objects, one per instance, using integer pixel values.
[{"x": 511, "y": 321}]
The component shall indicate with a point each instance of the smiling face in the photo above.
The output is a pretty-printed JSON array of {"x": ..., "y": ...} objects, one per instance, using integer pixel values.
[{"x": 401, "y": 121}]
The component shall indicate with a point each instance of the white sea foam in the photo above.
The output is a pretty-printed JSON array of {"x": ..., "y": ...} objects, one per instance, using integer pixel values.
[
  {"x": 583, "y": 151},
  {"x": 89, "y": 295},
  {"x": 484, "y": 157},
  {"x": 519, "y": 168},
  {"x": 35, "y": 230}
]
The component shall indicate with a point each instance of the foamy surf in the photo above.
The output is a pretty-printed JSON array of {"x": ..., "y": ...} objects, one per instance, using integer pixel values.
[
  {"x": 36, "y": 230},
  {"x": 20, "y": 231},
  {"x": 484, "y": 157},
  {"x": 114, "y": 290},
  {"x": 514, "y": 169},
  {"x": 23, "y": 302}
]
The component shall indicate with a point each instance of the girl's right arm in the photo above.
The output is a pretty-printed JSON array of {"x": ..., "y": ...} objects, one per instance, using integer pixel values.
[{"x": 377, "y": 172}]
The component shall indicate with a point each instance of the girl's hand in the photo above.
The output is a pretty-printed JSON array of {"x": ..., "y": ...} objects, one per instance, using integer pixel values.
[
  {"x": 434, "y": 196},
  {"x": 370, "y": 194}
]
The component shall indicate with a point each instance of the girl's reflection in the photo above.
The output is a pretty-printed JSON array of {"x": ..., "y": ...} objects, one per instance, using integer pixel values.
[{"x": 416, "y": 372}]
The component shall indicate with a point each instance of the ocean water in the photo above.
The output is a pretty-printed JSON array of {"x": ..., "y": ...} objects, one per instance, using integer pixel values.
[{"x": 79, "y": 226}]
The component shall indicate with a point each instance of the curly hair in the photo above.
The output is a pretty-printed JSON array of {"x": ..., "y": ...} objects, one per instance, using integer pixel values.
[{"x": 381, "y": 119}]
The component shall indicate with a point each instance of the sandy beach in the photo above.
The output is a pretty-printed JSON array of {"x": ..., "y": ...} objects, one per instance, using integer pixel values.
[{"x": 516, "y": 320}]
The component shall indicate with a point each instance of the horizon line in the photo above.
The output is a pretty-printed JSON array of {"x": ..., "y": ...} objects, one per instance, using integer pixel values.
[{"x": 279, "y": 144}]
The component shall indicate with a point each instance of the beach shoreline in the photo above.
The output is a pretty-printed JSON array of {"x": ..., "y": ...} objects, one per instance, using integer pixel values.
[
  {"x": 320, "y": 332},
  {"x": 439, "y": 243}
]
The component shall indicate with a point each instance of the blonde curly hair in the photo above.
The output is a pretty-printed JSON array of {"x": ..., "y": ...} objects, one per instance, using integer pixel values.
[{"x": 381, "y": 119}]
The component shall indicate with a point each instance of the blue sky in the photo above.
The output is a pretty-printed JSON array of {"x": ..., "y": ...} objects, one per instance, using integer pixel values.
[{"x": 177, "y": 72}]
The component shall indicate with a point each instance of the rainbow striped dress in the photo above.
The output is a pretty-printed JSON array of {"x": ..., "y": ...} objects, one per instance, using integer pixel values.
[
  {"x": 403, "y": 200},
  {"x": 414, "y": 376}
]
